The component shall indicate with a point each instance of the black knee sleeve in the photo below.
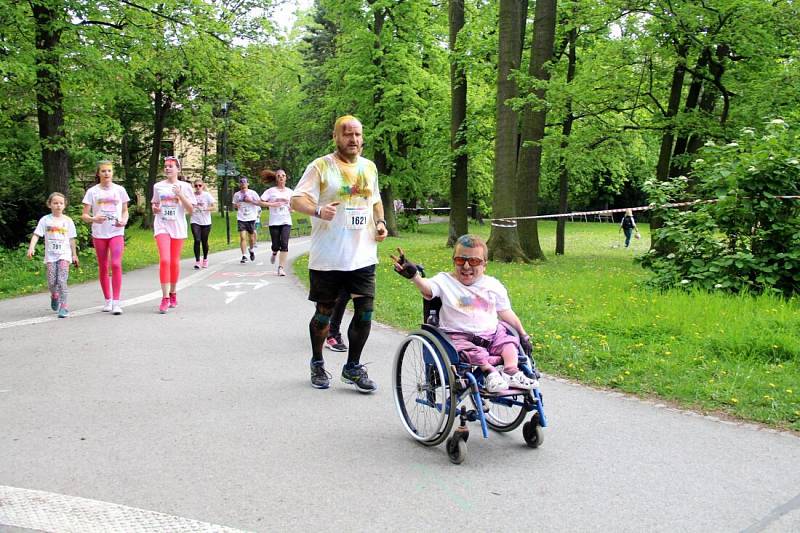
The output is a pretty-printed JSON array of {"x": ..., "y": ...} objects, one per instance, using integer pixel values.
[
  {"x": 362, "y": 308},
  {"x": 322, "y": 315}
]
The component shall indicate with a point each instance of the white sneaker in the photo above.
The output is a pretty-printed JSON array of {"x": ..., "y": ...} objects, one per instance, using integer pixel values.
[
  {"x": 494, "y": 382},
  {"x": 107, "y": 308},
  {"x": 521, "y": 381},
  {"x": 116, "y": 309}
]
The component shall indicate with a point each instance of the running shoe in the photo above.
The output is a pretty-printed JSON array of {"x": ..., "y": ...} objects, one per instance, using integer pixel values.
[
  {"x": 205, "y": 263},
  {"x": 243, "y": 260},
  {"x": 63, "y": 312},
  {"x": 54, "y": 302},
  {"x": 173, "y": 299},
  {"x": 164, "y": 305},
  {"x": 197, "y": 265},
  {"x": 281, "y": 271},
  {"x": 107, "y": 308},
  {"x": 335, "y": 344},
  {"x": 252, "y": 255},
  {"x": 320, "y": 378},
  {"x": 272, "y": 259},
  {"x": 116, "y": 309},
  {"x": 355, "y": 374}
]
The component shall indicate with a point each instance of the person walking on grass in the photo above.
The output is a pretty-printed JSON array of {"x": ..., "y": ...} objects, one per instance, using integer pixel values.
[
  {"x": 245, "y": 202},
  {"x": 60, "y": 250},
  {"x": 277, "y": 198},
  {"x": 340, "y": 191},
  {"x": 105, "y": 207},
  {"x": 628, "y": 226},
  {"x": 172, "y": 201},
  {"x": 201, "y": 222}
]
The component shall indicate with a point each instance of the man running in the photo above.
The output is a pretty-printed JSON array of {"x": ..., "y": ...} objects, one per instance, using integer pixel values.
[
  {"x": 340, "y": 192},
  {"x": 245, "y": 202}
]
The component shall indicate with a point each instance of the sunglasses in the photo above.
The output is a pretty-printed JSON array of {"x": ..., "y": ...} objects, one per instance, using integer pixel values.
[
  {"x": 198, "y": 185},
  {"x": 473, "y": 261}
]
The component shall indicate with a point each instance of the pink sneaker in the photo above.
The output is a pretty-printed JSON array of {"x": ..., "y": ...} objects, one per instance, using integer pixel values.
[
  {"x": 173, "y": 299},
  {"x": 164, "y": 305},
  {"x": 205, "y": 263},
  {"x": 197, "y": 265}
]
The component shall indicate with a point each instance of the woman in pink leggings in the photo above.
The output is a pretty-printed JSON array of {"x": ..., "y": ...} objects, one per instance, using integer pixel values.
[
  {"x": 172, "y": 201},
  {"x": 105, "y": 206}
]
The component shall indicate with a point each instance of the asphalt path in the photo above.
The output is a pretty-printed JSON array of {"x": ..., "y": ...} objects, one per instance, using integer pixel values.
[{"x": 204, "y": 418}]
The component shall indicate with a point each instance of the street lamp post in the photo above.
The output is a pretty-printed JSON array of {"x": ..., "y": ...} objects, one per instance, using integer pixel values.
[{"x": 225, "y": 185}]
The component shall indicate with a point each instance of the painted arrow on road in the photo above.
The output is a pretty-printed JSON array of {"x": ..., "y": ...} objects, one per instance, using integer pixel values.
[{"x": 254, "y": 284}]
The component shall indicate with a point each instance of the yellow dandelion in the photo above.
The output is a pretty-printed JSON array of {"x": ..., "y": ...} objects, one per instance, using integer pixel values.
[
  {"x": 788, "y": 391},
  {"x": 772, "y": 385},
  {"x": 667, "y": 353},
  {"x": 627, "y": 373},
  {"x": 734, "y": 400}
]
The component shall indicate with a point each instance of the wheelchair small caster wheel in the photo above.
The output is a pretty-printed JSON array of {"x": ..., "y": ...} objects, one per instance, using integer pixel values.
[
  {"x": 456, "y": 449},
  {"x": 532, "y": 432}
]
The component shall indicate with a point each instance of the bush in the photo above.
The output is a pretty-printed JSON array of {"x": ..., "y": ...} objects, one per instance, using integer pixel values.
[{"x": 747, "y": 238}]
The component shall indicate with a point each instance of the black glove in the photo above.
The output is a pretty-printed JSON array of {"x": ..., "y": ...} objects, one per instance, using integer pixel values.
[
  {"x": 525, "y": 344},
  {"x": 404, "y": 267}
]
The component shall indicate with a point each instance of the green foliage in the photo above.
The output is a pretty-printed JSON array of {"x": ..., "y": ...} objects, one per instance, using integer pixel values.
[{"x": 747, "y": 239}]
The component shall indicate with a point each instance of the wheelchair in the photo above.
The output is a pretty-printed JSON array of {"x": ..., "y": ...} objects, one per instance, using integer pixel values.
[{"x": 433, "y": 386}]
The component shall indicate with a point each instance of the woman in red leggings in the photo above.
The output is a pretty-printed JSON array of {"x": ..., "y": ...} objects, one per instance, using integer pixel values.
[
  {"x": 105, "y": 206},
  {"x": 172, "y": 201}
]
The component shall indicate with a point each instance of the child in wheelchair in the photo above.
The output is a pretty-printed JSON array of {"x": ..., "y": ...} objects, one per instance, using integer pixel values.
[{"x": 472, "y": 306}]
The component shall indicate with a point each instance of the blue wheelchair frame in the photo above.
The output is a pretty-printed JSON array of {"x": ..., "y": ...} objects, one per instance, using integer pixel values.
[
  {"x": 430, "y": 386},
  {"x": 476, "y": 378}
]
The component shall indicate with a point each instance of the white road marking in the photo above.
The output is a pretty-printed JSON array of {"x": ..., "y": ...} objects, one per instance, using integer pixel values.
[
  {"x": 223, "y": 284},
  {"x": 47, "y": 511},
  {"x": 232, "y": 295}
]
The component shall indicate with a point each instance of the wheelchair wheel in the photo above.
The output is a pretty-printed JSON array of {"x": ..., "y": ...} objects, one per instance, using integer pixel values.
[
  {"x": 504, "y": 416},
  {"x": 422, "y": 382},
  {"x": 532, "y": 432},
  {"x": 456, "y": 450}
]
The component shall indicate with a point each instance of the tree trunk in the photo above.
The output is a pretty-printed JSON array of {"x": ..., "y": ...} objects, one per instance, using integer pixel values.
[
  {"x": 161, "y": 106},
  {"x": 504, "y": 240},
  {"x": 533, "y": 128},
  {"x": 566, "y": 130},
  {"x": 49, "y": 98},
  {"x": 668, "y": 137},
  {"x": 459, "y": 224},
  {"x": 387, "y": 193}
]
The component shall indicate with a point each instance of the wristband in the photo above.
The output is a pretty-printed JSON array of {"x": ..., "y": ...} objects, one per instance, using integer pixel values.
[
  {"x": 318, "y": 212},
  {"x": 379, "y": 221}
]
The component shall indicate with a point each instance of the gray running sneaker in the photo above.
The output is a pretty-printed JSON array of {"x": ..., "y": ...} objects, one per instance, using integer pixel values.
[
  {"x": 357, "y": 375},
  {"x": 320, "y": 378}
]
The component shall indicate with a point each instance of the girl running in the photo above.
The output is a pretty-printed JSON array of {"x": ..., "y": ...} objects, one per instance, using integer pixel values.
[
  {"x": 56, "y": 228},
  {"x": 105, "y": 206},
  {"x": 172, "y": 200},
  {"x": 201, "y": 222},
  {"x": 280, "y": 219}
]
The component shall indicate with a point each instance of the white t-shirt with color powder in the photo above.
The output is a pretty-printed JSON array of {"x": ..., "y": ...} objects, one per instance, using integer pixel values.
[
  {"x": 106, "y": 202},
  {"x": 347, "y": 242},
  {"x": 172, "y": 218},
  {"x": 56, "y": 232},
  {"x": 246, "y": 211},
  {"x": 469, "y": 308},
  {"x": 278, "y": 216},
  {"x": 201, "y": 214}
]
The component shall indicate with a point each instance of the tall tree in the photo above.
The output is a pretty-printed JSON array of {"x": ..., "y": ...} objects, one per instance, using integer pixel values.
[
  {"x": 458, "y": 114},
  {"x": 533, "y": 126},
  {"x": 504, "y": 244}
]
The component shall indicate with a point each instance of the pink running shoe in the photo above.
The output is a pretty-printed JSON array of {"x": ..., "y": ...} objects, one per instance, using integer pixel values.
[
  {"x": 205, "y": 263},
  {"x": 173, "y": 299},
  {"x": 164, "y": 305}
]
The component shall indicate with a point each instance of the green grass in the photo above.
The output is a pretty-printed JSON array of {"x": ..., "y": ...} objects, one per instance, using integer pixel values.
[
  {"x": 593, "y": 320},
  {"x": 19, "y": 276}
]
